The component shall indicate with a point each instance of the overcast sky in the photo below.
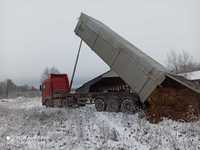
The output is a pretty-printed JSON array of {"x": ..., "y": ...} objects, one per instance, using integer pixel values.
[{"x": 35, "y": 34}]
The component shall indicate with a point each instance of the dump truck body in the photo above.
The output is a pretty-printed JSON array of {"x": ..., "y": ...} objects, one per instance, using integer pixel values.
[
  {"x": 142, "y": 73},
  {"x": 138, "y": 70}
]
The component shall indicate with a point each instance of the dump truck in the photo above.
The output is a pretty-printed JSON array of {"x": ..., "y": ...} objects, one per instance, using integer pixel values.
[
  {"x": 162, "y": 94},
  {"x": 56, "y": 93}
]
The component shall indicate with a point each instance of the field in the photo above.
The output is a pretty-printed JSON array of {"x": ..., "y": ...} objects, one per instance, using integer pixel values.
[{"x": 26, "y": 124}]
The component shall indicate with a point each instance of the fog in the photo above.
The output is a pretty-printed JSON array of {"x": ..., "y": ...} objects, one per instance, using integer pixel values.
[{"x": 35, "y": 34}]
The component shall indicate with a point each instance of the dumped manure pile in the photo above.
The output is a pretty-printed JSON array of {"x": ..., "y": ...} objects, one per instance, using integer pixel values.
[{"x": 175, "y": 101}]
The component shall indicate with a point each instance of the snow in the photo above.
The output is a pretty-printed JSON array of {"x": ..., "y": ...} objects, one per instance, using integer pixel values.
[
  {"x": 26, "y": 124},
  {"x": 195, "y": 75}
]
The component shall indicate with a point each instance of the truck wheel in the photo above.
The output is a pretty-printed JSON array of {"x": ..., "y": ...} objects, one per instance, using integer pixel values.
[
  {"x": 99, "y": 104},
  {"x": 128, "y": 106},
  {"x": 48, "y": 103},
  {"x": 113, "y": 106}
]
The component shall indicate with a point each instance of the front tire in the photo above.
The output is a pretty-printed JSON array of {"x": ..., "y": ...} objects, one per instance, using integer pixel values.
[{"x": 99, "y": 104}]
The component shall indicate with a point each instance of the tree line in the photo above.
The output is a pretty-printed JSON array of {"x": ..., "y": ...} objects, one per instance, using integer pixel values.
[
  {"x": 181, "y": 62},
  {"x": 9, "y": 89}
]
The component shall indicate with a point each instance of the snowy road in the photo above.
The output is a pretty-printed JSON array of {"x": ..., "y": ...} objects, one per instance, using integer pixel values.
[{"x": 25, "y": 124}]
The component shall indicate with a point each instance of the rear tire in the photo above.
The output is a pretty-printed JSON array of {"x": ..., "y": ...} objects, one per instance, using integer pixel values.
[
  {"x": 113, "y": 106},
  {"x": 128, "y": 106},
  {"x": 99, "y": 104}
]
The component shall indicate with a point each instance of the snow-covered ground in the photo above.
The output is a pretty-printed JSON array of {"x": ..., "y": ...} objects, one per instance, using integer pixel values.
[{"x": 25, "y": 124}]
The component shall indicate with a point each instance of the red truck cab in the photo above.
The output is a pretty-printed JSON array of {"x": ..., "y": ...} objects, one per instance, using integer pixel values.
[{"x": 56, "y": 86}]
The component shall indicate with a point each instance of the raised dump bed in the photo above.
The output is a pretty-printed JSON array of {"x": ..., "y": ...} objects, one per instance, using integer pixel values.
[
  {"x": 136, "y": 68},
  {"x": 147, "y": 77}
]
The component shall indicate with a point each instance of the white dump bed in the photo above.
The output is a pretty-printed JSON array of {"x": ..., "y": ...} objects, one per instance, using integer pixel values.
[{"x": 138, "y": 70}]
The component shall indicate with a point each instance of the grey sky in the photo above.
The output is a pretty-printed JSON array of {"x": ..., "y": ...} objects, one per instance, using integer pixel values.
[{"x": 39, "y": 33}]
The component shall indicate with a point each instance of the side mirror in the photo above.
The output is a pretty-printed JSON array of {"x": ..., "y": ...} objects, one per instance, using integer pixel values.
[{"x": 40, "y": 87}]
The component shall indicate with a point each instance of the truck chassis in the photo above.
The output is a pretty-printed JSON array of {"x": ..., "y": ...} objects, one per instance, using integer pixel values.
[{"x": 110, "y": 101}]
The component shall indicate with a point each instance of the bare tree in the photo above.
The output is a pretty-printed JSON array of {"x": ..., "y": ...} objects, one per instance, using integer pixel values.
[
  {"x": 10, "y": 87},
  {"x": 181, "y": 62},
  {"x": 45, "y": 74},
  {"x": 3, "y": 86},
  {"x": 54, "y": 70},
  {"x": 48, "y": 71},
  {"x": 7, "y": 87}
]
